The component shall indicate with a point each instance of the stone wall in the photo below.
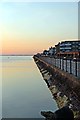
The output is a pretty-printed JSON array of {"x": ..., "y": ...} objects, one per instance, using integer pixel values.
[{"x": 62, "y": 76}]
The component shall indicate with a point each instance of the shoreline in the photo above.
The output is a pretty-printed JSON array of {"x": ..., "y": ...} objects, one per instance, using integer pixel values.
[{"x": 62, "y": 93}]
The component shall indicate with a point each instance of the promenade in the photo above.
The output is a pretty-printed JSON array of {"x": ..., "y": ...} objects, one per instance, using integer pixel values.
[
  {"x": 69, "y": 65},
  {"x": 64, "y": 86}
]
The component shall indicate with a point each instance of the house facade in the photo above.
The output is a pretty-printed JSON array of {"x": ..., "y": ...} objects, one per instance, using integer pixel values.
[{"x": 68, "y": 46}]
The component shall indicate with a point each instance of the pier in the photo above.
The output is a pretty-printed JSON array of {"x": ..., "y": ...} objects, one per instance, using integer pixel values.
[
  {"x": 68, "y": 65},
  {"x": 60, "y": 68},
  {"x": 63, "y": 76}
]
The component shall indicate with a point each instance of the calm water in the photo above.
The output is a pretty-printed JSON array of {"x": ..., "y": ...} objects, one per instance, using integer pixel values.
[{"x": 24, "y": 92}]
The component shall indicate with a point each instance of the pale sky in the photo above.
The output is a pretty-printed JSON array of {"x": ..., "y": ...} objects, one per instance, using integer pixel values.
[{"x": 31, "y": 27}]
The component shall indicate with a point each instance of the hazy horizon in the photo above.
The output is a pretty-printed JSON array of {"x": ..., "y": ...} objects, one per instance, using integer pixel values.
[{"x": 16, "y": 54}]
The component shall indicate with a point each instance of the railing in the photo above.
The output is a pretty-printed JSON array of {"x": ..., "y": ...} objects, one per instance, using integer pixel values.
[{"x": 69, "y": 65}]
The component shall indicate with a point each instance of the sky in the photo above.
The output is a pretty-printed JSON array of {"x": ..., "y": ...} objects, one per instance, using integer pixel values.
[{"x": 31, "y": 27}]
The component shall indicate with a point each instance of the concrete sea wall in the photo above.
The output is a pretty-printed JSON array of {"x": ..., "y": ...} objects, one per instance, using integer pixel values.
[{"x": 64, "y": 87}]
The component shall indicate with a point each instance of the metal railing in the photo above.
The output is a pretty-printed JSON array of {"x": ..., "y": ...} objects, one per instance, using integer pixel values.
[{"x": 69, "y": 65}]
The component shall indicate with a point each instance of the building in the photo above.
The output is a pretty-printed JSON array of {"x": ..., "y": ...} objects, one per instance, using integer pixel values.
[
  {"x": 64, "y": 49},
  {"x": 70, "y": 48},
  {"x": 45, "y": 52},
  {"x": 57, "y": 48},
  {"x": 51, "y": 51}
]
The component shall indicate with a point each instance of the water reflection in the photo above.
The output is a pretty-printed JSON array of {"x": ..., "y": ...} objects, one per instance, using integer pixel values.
[{"x": 24, "y": 92}]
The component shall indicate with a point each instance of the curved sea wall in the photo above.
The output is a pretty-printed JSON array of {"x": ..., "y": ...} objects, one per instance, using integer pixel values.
[{"x": 64, "y": 87}]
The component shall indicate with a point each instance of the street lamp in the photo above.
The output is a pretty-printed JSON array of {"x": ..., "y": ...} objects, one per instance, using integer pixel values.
[
  {"x": 75, "y": 59},
  {"x": 65, "y": 58}
]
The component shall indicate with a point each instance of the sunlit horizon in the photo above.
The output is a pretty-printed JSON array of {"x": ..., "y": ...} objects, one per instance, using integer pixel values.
[{"x": 30, "y": 28}]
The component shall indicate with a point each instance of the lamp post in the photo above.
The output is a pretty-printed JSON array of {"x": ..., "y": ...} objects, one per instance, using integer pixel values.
[
  {"x": 75, "y": 59},
  {"x": 62, "y": 63},
  {"x": 70, "y": 67},
  {"x": 66, "y": 63}
]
